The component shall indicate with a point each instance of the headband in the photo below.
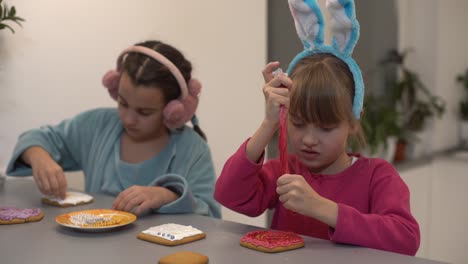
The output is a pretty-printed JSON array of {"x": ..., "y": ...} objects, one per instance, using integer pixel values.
[
  {"x": 309, "y": 23},
  {"x": 161, "y": 59}
]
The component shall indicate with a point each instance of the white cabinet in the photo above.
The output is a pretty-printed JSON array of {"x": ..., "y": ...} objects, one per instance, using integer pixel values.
[{"x": 439, "y": 201}]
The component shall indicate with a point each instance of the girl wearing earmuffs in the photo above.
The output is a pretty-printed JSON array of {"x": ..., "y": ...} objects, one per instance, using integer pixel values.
[
  {"x": 320, "y": 189},
  {"x": 142, "y": 152}
]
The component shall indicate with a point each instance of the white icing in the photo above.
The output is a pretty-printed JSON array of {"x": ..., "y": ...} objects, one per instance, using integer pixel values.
[
  {"x": 73, "y": 198},
  {"x": 172, "y": 231},
  {"x": 88, "y": 219}
]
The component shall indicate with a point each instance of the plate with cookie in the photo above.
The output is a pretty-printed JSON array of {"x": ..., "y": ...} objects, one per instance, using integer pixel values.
[{"x": 95, "y": 220}]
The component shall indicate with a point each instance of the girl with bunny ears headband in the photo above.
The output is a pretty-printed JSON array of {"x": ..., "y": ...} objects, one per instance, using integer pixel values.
[
  {"x": 309, "y": 24},
  {"x": 319, "y": 189}
]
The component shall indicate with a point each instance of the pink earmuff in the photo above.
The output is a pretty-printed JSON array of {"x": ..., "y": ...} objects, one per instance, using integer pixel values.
[{"x": 177, "y": 112}]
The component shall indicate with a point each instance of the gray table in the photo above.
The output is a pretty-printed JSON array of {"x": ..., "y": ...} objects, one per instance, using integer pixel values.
[{"x": 48, "y": 242}]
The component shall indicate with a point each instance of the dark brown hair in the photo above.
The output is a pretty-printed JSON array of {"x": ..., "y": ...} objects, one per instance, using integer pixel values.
[
  {"x": 322, "y": 92},
  {"x": 148, "y": 72}
]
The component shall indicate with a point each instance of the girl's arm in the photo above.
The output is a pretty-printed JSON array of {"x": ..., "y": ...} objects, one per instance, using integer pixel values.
[
  {"x": 389, "y": 225},
  {"x": 276, "y": 94}
]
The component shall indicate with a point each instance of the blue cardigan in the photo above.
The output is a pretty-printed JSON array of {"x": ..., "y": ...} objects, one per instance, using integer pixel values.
[{"x": 91, "y": 142}]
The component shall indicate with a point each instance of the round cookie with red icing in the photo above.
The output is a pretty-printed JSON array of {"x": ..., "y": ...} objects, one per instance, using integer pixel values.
[
  {"x": 271, "y": 241},
  {"x": 13, "y": 215}
]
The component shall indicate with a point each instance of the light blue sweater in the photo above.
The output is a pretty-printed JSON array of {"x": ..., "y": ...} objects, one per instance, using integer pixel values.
[{"x": 91, "y": 142}]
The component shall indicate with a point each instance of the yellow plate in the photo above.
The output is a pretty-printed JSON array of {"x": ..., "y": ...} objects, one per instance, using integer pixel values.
[{"x": 96, "y": 219}]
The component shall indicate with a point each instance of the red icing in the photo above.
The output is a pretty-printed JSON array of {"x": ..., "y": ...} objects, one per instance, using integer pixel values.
[
  {"x": 283, "y": 142},
  {"x": 272, "y": 239}
]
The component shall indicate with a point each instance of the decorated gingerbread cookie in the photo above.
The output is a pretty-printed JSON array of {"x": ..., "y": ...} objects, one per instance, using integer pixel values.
[
  {"x": 271, "y": 241},
  {"x": 171, "y": 234},
  {"x": 184, "y": 257},
  {"x": 71, "y": 199},
  {"x": 14, "y": 215}
]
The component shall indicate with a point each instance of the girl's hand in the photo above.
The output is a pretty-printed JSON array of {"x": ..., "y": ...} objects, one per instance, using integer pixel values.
[
  {"x": 298, "y": 196},
  {"x": 276, "y": 93},
  {"x": 268, "y": 71},
  {"x": 143, "y": 198},
  {"x": 47, "y": 174}
]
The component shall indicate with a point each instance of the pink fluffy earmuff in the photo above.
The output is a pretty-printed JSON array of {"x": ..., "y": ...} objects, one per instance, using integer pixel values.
[{"x": 177, "y": 112}]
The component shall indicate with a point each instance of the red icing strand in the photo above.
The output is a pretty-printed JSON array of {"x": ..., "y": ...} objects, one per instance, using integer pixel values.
[
  {"x": 283, "y": 142},
  {"x": 272, "y": 239}
]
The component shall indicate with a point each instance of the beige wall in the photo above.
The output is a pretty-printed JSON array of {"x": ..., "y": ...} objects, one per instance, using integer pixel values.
[{"x": 51, "y": 69}]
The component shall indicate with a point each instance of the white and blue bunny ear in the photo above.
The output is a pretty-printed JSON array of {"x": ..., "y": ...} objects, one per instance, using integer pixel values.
[
  {"x": 308, "y": 20},
  {"x": 309, "y": 24},
  {"x": 344, "y": 26}
]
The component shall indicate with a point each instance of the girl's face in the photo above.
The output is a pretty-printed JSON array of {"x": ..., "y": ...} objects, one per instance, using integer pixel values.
[
  {"x": 321, "y": 148},
  {"x": 141, "y": 110}
]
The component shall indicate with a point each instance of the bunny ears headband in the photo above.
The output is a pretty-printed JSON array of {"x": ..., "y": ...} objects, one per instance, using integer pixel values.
[
  {"x": 309, "y": 24},
  {"x": 177, "y": 112}
]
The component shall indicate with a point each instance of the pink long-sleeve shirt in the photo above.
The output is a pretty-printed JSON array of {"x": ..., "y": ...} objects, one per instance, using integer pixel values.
[{"x": 373, "y": 201}]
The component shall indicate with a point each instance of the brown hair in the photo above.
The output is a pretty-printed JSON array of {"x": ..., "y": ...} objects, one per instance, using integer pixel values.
[
  {"x": 322, "y": 93},
  {"x": 148, "y": 72}
]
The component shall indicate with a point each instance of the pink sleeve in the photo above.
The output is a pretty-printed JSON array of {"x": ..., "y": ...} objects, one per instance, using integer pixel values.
[
  {"x": 389, "y": 226},
  {"x": 246, "y": 187}
]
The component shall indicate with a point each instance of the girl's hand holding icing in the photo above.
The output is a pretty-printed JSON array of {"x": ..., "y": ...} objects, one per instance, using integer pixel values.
[
  {"x": 298, "y": 196},
  {"x": 276, "y": 92}
]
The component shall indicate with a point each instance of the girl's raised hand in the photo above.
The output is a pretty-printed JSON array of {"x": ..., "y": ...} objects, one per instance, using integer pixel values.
[{"x": 276, "y": 93}]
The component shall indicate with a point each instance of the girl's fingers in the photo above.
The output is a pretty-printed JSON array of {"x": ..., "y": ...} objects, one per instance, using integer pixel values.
[
  {"x": 280, "y": 81},
  {"x": 268, "y": 70},
  {"x": 62, "y": 185}
]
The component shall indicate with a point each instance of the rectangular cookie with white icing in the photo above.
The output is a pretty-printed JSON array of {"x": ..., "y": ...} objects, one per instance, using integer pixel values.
[
  {"x": 71, "y": 199},
  {"x": 171, "y": 234}
]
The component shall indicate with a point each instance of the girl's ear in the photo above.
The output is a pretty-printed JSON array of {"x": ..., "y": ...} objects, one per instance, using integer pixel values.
[
  {"x": 345, "y": 27},
  {"x": 308, "y": 20}
]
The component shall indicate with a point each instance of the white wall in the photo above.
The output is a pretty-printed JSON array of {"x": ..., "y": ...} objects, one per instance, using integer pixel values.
[
  {"x": 51, "y": 69},
  {"x": 436, "y": 32}
]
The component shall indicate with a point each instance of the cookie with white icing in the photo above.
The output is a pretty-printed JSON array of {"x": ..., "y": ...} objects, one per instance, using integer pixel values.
[
  {"x": 12, "y": 215},
  {"x": 71, "y": 199},
  {"x": 171, "y": 234}
]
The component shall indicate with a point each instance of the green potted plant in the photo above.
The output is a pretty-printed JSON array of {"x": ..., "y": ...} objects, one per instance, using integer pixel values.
[
  {"x": 8, "y": 14},
  {"x": 414, "y": 102},
  {"x": 463, "y": 109},
  {"x": 380, "y": 127}
]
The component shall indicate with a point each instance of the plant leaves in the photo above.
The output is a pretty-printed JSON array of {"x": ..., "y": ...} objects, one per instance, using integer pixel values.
[
  {"x": 2, "y": 26},
  {"x": 12, "y": 12}
]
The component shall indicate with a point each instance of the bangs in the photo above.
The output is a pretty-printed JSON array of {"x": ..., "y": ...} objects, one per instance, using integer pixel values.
[{"x": 321, "y": 92}]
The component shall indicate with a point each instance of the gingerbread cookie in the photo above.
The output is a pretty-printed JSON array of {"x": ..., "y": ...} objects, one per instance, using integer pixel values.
[
  {"x": 171, "y": 234},
  {"x": 14, "y": 215},
  {"x": 71, "y": 199},
  {"x": 271, "y": 241},
  {"x": 184, "y": 257}
]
